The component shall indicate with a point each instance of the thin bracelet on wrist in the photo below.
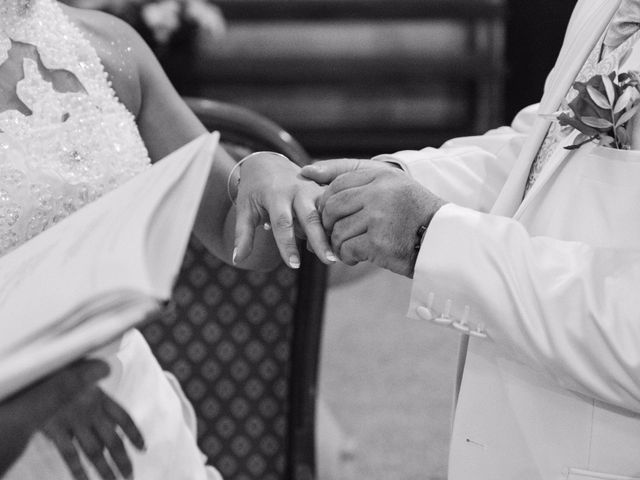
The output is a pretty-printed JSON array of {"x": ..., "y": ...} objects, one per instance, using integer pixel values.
[{"x": 237, "y": 167}]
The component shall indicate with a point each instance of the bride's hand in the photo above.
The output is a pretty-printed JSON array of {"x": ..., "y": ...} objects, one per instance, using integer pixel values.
[
  {"x": 97, "y": 425},
  {"x": 271, "y": 190},
  {"x": 28, "y": 410}
]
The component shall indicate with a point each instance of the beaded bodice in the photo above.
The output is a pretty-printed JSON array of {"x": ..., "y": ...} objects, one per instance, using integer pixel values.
[{"x": 70, "y": 147}]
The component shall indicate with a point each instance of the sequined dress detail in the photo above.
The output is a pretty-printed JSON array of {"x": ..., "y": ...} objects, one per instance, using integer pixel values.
[{"x": 73, "y": 146}]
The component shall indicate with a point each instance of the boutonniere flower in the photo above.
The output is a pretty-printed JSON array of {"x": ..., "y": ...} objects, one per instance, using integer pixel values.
[{"x": 602, "y": 109}]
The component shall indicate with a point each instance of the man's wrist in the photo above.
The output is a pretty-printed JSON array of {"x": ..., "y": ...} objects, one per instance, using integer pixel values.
[
  {"x": 422, "y": 229},
  {"x": 435, "y": 204}
]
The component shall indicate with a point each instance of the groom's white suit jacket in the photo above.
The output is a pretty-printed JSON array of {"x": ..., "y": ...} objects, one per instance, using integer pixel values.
[{"x": 553, "y": 281}]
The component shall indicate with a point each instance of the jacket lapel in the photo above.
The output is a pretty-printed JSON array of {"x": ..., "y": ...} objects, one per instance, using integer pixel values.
[{"x": 590, "y": 19}]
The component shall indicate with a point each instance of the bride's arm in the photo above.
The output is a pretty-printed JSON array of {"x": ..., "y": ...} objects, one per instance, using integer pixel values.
[{"x": 271, "y": 188}]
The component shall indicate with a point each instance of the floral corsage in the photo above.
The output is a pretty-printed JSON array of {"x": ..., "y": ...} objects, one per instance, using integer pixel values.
[{"x": 602, "y": 109}]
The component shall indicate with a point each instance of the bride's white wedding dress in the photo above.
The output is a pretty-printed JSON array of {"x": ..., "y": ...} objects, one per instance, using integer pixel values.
[{"x": 58, "y": 151}]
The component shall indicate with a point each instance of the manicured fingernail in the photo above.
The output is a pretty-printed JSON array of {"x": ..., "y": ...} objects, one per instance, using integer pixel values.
[
  {"x": 267, "y": 226},
  {"x": 234, "y": 256},
  {"x": 330, "y": 256},
  {"x": 294, "y": 261}
]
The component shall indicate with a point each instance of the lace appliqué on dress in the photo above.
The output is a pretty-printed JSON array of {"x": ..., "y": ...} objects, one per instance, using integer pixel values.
[{"x": 74, "y": 146}]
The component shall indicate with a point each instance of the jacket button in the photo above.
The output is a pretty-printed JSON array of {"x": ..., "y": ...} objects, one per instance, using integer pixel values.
[
  {"x": 446, "y": 321},
  {"x": 424, "y": 313},
  {"x": 462, "y": 327}
]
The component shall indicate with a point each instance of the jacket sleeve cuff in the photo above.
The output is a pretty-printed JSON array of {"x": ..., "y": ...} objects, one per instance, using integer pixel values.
[{"x": 438, "y": 295}]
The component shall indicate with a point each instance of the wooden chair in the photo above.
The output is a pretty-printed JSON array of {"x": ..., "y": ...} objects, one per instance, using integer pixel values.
[{"x": 245, "y": 345}]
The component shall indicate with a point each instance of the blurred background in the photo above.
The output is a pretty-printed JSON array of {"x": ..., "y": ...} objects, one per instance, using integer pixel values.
[{"x": 358, "y": 78}]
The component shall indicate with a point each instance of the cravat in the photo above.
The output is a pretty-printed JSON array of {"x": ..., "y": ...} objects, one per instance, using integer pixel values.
[{"x": 625, "y": 23}]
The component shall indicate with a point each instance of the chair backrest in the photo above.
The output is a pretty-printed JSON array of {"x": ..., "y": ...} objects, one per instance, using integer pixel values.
[{"x": 245, "y": 345}]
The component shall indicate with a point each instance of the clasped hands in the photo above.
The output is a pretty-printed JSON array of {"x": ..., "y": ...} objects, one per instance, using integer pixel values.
[{"x": 352, "y": 210}]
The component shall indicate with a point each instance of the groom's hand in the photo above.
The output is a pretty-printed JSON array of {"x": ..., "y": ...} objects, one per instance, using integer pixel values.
[
  {"x": 374, "y": 215},
  {"x": 326, "y": 171}
]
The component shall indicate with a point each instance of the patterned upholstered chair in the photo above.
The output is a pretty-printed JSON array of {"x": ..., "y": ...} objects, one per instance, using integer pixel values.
[{"x": 245, "y": 345}]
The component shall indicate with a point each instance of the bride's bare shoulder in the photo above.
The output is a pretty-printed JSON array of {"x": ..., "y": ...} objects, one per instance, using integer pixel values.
[{"x": 119, "y": 47}]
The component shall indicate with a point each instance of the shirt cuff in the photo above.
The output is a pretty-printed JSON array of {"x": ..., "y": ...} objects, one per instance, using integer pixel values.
[{"x": 387, "y": 158}]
